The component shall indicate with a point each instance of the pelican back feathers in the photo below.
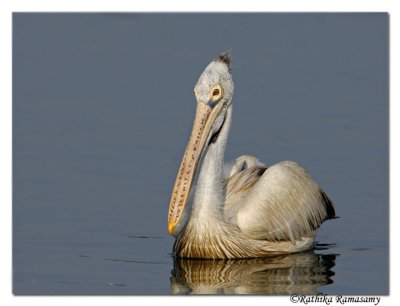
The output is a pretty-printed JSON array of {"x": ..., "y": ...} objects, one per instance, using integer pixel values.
[{"x": 284, "y": 204}]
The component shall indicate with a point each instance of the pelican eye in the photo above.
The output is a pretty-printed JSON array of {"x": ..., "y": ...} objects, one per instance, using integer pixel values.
[{"x": 216, "y": 93}]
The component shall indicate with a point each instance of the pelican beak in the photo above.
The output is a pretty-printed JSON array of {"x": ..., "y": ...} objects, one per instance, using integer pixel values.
[{"x": 206, "y": 114}]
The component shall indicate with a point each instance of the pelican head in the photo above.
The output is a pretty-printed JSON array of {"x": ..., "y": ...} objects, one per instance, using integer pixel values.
[{"x": 213, "y": 91}]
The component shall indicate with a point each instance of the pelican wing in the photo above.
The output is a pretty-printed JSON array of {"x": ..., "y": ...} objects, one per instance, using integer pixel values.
[
  {"x": 239, "y": 164},
  {"x": 281, "y": 202}
]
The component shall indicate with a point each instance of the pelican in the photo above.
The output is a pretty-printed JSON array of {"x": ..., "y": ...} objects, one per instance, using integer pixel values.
[{"x": 243, "y": 209}]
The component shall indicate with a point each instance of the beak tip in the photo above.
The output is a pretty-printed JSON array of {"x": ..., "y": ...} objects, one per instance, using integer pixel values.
[{"x": 171, "y": 228}]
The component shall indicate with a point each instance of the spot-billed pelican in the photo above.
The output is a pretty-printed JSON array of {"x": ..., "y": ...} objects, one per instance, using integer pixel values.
[{"x": 244, "y": 209}]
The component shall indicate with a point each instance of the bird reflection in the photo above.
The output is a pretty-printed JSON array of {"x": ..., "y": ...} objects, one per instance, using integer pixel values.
[{"x": 301, "y": 273}]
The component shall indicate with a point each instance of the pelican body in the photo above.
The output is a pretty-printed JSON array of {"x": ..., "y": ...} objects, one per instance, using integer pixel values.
[{"x": 241, "y": 209}]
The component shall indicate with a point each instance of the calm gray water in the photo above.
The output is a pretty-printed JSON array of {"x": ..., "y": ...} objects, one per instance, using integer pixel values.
[{"x": 102, "y": 109}]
